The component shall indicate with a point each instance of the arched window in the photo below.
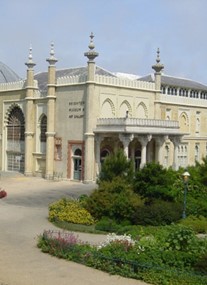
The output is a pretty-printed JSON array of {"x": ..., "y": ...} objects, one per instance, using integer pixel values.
[
  {"x": 78, "y": 152},
  {"x": 15, "y": 127},
  {"x": 15, "y": 140},
  {"x": 197, "y": 152},
  {"x": 43, "y": 128}
]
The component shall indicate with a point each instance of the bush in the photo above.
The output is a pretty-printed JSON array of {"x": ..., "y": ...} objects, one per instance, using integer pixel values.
[
  {"x": 198, "y": 224},
  {"x": 181, "y": 239},
  {"x": 154, "y": 181},
  {"x": 114, "y": 200},
  {"x": 158, "y": 213},
  {"x": 116, "y": 165},
  {"x": 201, "y": 264},
  {"x": 107, "y": 225},
  {"x": 70, "y": 211}
]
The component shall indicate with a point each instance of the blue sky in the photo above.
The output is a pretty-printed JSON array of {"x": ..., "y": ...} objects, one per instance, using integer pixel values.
[{"x": 127, "y": 34}]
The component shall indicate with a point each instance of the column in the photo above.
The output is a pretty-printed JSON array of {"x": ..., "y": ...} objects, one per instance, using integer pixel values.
[
  {"x": 144, "y": 141},
  {"x": 29, "y": 120},
  {"x": 126, "y": 139},
  {"x": 159, "y": 144},
  {"x": 50, "y": 114},
  {"x": 90, "y": 115},
  {"x": 176, "y": 141},
  {"x": 98, "y": 140}
]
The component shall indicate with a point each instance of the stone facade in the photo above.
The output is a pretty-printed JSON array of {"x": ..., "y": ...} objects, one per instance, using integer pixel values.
[{"x": 63, "y": 123}]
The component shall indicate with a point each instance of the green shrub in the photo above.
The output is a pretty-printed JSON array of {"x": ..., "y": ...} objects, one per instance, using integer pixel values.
[
  {"x": 201, "y": 264},
  {"x": 114, "y": 200},
  {"x": 116, "y": 165},
  {"x": 158, "y": 213},
  {"x": 70, "y": 211},
  {"x": 198, "y": 224},
  {"x": 153, "y": 181},
  {"x": 107, "y": 225},
  {"x": 181, "y": 239}
]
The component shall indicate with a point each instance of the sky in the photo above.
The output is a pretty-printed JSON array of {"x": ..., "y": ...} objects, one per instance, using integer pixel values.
[{"x": 127, "y": 34}]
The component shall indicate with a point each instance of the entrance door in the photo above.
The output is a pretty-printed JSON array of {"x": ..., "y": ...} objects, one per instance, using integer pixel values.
[
  {"x": 77, "y": 169},
  {"x": 77, "y": 159}
]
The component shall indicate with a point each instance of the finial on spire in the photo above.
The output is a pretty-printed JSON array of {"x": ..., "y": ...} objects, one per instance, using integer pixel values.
[
  {"x": 30, "y": 63},
  {"x": 52, "y": 60},
  {"x": 158, "y": 55},
  {"x": 158, "y": 67},
  {"x": 91, "y": 54},
  {"x": 91, "y": 44}
]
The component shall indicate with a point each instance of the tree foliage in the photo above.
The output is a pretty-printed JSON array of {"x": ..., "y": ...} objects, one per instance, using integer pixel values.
[
  {"x": 153, "y": 181},
  {"x": 116, "y": 165},
  {"x": 113, "y": 199}
]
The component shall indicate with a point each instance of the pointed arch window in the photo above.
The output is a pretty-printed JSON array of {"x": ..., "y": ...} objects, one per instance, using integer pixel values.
[
  {"x": 43, "y": 128},
  {"x": 16, "y": 125},
  {"x": 15, "y": 140}
]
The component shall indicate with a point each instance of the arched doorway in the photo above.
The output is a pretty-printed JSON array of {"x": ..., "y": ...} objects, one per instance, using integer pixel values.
[
  {"x": 15, "y": 140},
  {"x": 137, "y": 158},
  {"x": 77, "y": 162}
]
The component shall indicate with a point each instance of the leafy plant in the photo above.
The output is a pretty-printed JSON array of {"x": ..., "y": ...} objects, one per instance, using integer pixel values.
[
  {"x": 153, "y": 181},
  {"x": 197, "y": 224},
  {"x": 114, "y": 200},
  {"x": 70, "y": 211},
  {"x": 157, "y": 213},
  {"x": 116, "y": 165}
]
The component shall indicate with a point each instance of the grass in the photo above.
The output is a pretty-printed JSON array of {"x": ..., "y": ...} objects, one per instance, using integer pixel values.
[{"x": 77, "y": 227}]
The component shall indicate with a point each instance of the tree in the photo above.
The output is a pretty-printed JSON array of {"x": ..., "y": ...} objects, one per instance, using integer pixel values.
[
  {"x": 153, "y": 181},
  {"x": 116, "y": 165}
]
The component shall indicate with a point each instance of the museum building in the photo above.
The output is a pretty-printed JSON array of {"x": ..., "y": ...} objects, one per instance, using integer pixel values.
[{"x": 63, "y": 123}]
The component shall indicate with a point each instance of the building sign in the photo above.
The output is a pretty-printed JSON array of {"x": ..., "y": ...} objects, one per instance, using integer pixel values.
[{"x": 76, "y": 110}]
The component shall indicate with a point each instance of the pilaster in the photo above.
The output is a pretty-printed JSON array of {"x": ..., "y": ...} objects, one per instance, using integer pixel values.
[
  {"x": 51, "y": 101},
  {"x": 29, "y": 117},
  {"x": 90, "y": 115}
]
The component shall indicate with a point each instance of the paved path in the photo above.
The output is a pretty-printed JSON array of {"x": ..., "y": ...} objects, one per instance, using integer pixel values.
[{"x": 23, "y": 216}]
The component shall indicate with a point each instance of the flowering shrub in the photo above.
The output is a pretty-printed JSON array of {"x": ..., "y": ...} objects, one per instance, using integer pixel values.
[
  {"x": 70, "y": 211},
  {"x": 125, "y": 240},
  {"x": 2, "y": 194}
]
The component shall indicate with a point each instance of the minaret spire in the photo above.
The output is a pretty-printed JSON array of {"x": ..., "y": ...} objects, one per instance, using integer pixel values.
[
  {"x": 30, "y": 64},
  {"x": 52, "y": 60},
  {"x": 91, "y": 54},
  {"x": 158, "y": 67}
]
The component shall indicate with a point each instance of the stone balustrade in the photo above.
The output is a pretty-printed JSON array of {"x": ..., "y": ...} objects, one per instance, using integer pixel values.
[{"x": 137, "y": 122}]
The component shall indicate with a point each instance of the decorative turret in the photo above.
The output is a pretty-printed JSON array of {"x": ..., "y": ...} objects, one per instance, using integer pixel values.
[
  {"x": 52, "y": 60},
  {"x": 30, "y": 64},
  {"x": 91, "y": 54},
  {"x": 158, "y": 67}
]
